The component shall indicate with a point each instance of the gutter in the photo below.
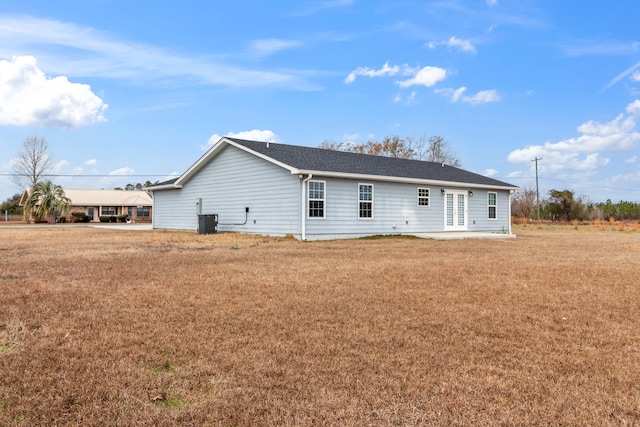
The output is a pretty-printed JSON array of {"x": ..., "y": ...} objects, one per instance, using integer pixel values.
[
  {"x": 404, "y": 180},
  {"x": 303, "y": 219}
]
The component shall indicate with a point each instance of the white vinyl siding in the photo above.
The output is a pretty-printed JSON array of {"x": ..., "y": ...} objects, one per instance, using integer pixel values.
[{"x": 231, "y": 182}]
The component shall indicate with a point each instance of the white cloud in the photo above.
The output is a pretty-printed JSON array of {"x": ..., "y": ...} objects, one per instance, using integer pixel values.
[
  {"x": 632, "y": 159},
  {"x": 481, "y": 97},
  {"x": 427, "y": 76},
  {"x": 59, "y": 166},
  {"x": 29, "y": 98},
  {"x": 73, "y": 50},
  {"x": 351, "y": 136},
  {"x": 492, "y": 2},
  {"x": 625, "y": 178},
  {"x": 634, "y": 108},
  {"x": 636, "y": 76},
  {"x": 91, "y": 162},
  {"x": 122, "y": 172},
  {"x": 462, "y": 45},
  {"x": 386, "y": 70},
  {"x": 454, "y": 42},
  {"x": 490, "y": 172},
  {"x": 252, "y": 135},
  {"x": 622, "y": 75},
  {"x": 270, "y": 46},
  {"x": 616, "y": 135},
  {"x": 411, "y": 99}
]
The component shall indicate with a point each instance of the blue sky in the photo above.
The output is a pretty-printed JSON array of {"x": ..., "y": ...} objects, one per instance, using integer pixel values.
[{"x": 129, "y": 91}]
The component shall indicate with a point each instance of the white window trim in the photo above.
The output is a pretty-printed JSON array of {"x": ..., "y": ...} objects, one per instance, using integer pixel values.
[
  {"x": 428, "y": 197},
  {"x": 373, "y": 197},
  {"x": 495, "y": 206},
  {"x": 324, "y": 200}
]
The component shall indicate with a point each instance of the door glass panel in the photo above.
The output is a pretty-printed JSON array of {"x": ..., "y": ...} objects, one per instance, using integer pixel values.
[
  {"x": 450, "y": 209},
  {"x": 460, "y": 209}
]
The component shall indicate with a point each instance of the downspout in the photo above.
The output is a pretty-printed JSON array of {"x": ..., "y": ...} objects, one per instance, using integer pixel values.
[{"x": 303, "y": 210}]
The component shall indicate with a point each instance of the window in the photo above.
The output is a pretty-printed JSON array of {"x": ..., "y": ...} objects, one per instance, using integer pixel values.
[
  {"x": 492, "y": 202},
  {"x": 423, "y": 197},
  {"x": 316, "y": 199},
  {"x": 130, "y": 211},
  {"x": 108, "y": 210},
  {"x": 142, "y": 211},
  {"x": 365, "y": 201}
]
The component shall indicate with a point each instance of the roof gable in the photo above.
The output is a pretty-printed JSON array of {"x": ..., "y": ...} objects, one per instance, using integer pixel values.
[{"x": 306, "y": 160}]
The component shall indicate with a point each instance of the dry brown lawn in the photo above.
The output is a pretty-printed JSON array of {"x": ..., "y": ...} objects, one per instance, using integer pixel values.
[{"x": 107, "y": 327}]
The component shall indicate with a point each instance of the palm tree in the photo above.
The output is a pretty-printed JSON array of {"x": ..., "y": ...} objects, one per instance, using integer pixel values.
[{"x": 46, "y": 198}]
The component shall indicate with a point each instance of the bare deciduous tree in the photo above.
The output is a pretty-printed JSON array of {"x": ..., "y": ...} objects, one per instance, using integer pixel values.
[
  {"x": 438, "y": 150},
  {"x": 523, "y": 202},
  {"x": 434, "y": 149},
  {"x": 32, "y": 163}
]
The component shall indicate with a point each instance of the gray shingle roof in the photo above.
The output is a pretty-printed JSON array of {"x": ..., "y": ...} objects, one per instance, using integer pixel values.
[{"x": 322, "y": 160}]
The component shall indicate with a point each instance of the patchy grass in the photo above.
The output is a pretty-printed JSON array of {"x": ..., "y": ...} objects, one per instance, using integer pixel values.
[{"x": 108, "y": 327}]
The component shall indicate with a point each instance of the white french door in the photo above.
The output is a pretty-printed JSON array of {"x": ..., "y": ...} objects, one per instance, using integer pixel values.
[{"x": 455, "y": 210}]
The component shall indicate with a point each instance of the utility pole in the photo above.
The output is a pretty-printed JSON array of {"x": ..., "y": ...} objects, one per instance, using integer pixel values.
[{"x": 537, "y": 192}]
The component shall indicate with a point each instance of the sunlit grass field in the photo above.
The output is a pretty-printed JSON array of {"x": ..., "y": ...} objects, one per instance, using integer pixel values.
[{"x": 109, "y": 327}]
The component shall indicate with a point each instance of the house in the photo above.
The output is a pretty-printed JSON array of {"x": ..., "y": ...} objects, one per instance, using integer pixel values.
[
  {"x": 138, "y": 205},
  {"x": 311, "y": 193}
]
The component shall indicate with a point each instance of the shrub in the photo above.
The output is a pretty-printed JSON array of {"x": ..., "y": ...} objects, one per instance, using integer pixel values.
[
  {"x": 104, "y": 218},
  {"x": 79, "y": 217},
  {"x": 123, "y": 218}
]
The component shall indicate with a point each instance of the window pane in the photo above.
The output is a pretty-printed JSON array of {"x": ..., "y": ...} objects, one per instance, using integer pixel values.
[
  {"x": 423, "y": 197},
  {"x": 365, "y": 201},
  {"x": 366, "y": 192},
  {"x": 316, "y": 199},
  {"x": 460, "y": 209},
  {"x": 492, "y": 204},
  {"x": 316, "y": 209},
  {"x": 366, "y": 210},
  {"x": 316, "y": 190}
]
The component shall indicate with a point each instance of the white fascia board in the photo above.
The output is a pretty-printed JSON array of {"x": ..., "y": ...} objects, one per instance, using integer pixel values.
[
  {"x": 403, "y": 180},
  {"x": 163, "y": 187}
]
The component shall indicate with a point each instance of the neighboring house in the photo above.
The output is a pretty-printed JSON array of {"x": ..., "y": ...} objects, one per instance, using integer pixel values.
[
  {"x": 311, "y": 193},
  {"x": 138, "y": 205}
]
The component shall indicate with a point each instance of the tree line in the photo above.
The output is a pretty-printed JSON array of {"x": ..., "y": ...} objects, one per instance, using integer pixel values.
[
  {"x": 565, "y": 205},
  {"x": 432, "y": 149}
]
